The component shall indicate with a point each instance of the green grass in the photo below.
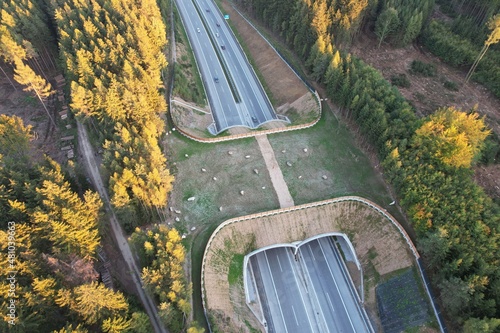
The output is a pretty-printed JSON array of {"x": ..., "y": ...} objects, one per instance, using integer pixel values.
[
  {"x": 236, "y": 269},
  {"x": 189, "y": 89},
  {"x": 331, "y": 151},
  {"x": 197, "y": 250}
]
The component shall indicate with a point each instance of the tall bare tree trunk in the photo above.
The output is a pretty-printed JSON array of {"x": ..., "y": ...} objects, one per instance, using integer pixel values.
[{"x": 8, "y": 78}]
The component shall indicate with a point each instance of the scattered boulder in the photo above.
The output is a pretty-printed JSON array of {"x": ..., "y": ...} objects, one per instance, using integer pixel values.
[
  {"x": 183, "y": 236},
  {"x": 263, "y": 187},
  {"x": 256, "y": 171},
  {"x": 324, "y": 177},
  {"x": 288, "y": 163},
  {"x": 300, "y": 177},
  {"x": 171, "y": 209},
  {"x": 283, "y": 151},
  {"x": 193, "y": 228},
  {"x": 242, "y": 192},
  {"x": 191, "y": 198},
  {"x": 230, "y": 153},
  {"x": 248, "y": 156},
  {"x": 215, "y": 178},
  {"x": 186, "y": 155},
  {"x": 177, "y": 211},
  {"x": 177, "y": 219},
  {"x": 203, "y": 170},
  {"x": 220, "y": 209},
  {"x": 305, "y": 150}
]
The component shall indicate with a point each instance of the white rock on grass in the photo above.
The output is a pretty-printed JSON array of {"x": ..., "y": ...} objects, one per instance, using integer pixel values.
[
  {"x": 230, "y": 153},
  {"x": 191, "y": 198},
  {"x": 177, "y": 219},
  {"x": 256, "y": 171},
  {"x": 289, "y": 163},
  {"x": 186, "y": 155},
  {"x": 242, "y": 192},
  {"x": 193, "y": 228},
  {"x": 220, "y": 209},
  {"x": 177, "y": 211},
  {"x": 203, "y": 170},
  {"x": 305, "y": 150},
  {"x": 324, "y": 177},
  {"x": 215, "y": 178},
  {"x": 248, "y": 156}
]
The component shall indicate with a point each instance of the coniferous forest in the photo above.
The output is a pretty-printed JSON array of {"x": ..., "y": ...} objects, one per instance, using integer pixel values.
[
  {"x": 428, "y": 161},
  {"x": 112, "y": 55}
]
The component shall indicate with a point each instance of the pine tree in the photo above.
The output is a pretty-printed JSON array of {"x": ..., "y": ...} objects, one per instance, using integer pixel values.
[
  {"x": 93, "y": 302},
  {"x": 33, "y": 82},
  {"x": 387, "y": 22}
]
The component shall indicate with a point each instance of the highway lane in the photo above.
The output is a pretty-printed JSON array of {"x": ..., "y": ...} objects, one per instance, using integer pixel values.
[
  {"x": 254, "y": 107},
  {"x": 255, "y": 100},
  {"x": 286, "y": 298},
  {"x": 338, "y": 306},
  {"x": 219, "y": 93}
]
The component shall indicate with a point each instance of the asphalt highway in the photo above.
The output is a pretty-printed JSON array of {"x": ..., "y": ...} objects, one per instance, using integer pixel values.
[
  {"x": 288, "y": 308},
  {"x": 308, "y": 293},
  {"x": 338, "y": 306},
  {"x": 215, "y": 49}
]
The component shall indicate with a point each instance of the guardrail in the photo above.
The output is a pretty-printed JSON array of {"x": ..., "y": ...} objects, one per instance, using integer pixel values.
[{"x": 254, "y": 133}]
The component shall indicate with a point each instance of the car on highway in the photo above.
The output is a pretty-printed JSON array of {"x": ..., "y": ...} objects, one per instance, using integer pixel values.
[
  {"x": 198, "y": 29},
  {"x": 217, "y": 24},
  {"x": 217, "y": 34},
  {"x": 216, "y": 79},
  {"x": 223, "y": 47},
  {"x": 208, "y": 10},
  {"x": 254, "y": 119}
]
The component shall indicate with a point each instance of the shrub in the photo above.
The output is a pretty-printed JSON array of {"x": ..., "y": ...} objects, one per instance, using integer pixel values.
[
  {"x": 400, "y": 80},
  {"x": 450, "y": 85},
  {"x": 418, "y": 67}
]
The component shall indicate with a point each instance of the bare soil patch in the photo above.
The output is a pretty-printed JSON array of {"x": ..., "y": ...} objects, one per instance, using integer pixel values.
[
  {"x": 16, "y": 102},
  {"x": 428, "y": 93},
  {"x": 379, "y": 246},
  {"x": 286, "y": 87}
]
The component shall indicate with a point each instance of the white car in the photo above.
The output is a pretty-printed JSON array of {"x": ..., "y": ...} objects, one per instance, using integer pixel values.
[
  {"x": 198, "y": 29},
  {"x": 217, "y": 34}
]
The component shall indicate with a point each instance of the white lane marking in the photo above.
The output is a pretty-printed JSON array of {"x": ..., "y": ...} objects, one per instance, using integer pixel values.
[
  {"x": 296, "y": 320},
  {"x": 300, "y": 290},
  {"x": 330, "y": 301},
  {"x": 336, "y": 286},
  {"x": 312, "y": 253},
  {"x": 275, "y": 291},
  {"x": 314, "y": 289},
  {"x": 279, "y": 263}
]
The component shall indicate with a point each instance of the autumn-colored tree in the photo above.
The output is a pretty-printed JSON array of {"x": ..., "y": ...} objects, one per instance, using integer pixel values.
[
  {"x": 14, "y": 138},
  {"x": 163, "y": 255},
  {"x": 493, "y": 38},
  {"x": 454, "y": 137},
  {"x": 94, "y": 302},
  {"x": 33, "y": 82}
]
